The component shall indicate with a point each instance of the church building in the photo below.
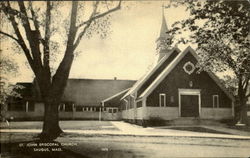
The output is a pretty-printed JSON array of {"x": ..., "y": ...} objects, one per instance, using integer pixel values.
[{"x": 173, "y": 89}]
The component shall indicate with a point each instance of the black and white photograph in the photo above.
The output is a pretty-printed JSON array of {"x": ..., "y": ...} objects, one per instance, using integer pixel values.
[{"x": 125, "y": 78}]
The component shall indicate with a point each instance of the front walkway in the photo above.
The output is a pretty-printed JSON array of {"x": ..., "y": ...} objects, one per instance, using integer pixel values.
[{"x": 131, "y": 129}]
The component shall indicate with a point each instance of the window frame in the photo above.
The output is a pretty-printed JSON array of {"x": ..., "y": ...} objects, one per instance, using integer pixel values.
[
  {"x": 217, "y": 105},
  {"x": 164, "y": 101}
]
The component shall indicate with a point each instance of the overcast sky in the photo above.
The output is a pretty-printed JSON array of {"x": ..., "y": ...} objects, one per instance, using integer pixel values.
[{"x": 128, "y": 52}]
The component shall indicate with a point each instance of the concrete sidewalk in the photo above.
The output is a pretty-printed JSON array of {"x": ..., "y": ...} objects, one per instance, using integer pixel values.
[
  {"x": 131, "y": 129},
  {"x": 134, "y": 130}
]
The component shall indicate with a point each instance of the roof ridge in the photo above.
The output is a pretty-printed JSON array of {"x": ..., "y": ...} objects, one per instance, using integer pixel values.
[{"x": 139, "y": 83}]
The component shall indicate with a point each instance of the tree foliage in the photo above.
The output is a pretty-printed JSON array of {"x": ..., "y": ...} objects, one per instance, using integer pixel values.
[
  {"x": 221, "y": 31},
  {"x": 8, "y": 68}
]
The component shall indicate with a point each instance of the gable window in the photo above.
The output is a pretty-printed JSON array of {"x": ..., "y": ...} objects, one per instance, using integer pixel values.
[
  {"x": 215, "y": 101},
  {"x": 189, "y": 67},
  {"x": 162, "y": 100}
]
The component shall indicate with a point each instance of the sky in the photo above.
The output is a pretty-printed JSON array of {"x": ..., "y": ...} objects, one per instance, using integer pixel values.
[{"x": 129, "y": 50}]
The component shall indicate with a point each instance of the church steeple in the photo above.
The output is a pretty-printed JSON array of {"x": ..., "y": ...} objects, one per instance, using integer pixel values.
[
  {"x": 164, "y": 27},
  {"x": 164, "y": 40}
]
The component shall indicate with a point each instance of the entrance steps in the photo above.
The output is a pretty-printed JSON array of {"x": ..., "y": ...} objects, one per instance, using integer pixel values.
[{"x": 192, "y": 121}]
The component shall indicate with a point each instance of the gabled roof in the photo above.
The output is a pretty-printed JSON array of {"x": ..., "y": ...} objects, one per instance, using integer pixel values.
[
  {"x": 116, "y": 95},
  {"x": 114, "y": 101},
  {"x": 92, "y": 91},
  {"x": 142, "y": 80},
  {"x": 172, "y": 65}
]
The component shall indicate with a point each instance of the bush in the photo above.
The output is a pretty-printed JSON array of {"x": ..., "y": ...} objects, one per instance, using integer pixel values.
[{"x": 156, "y": 121}]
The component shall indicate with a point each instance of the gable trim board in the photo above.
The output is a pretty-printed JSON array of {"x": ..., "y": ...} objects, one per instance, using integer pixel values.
[
  {"x": 141, "y": 81},
  {"x": 172, "y": 65},
  {"x": 117, "y": 94}
]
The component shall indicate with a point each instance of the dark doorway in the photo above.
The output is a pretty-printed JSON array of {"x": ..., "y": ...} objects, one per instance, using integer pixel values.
[{"x": 189, "y": 105}]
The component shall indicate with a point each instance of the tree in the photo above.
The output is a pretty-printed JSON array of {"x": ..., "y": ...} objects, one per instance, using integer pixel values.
[
  {"x": 221, "y": 31},
  {"x": 7, "y": 68},
  {"x": 35, "y": 25}
]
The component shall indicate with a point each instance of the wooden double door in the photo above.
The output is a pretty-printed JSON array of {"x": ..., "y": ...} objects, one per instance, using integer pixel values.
[{"x": 189, "y": 105}]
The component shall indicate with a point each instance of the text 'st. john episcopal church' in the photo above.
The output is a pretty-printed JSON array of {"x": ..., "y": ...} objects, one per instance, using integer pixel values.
[{"x": 173, "y": 89}]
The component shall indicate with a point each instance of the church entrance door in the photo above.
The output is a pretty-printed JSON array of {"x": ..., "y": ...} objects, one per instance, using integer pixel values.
[
  {"x": 189, "y": 102},
  {"x": 189, "y": 106}
]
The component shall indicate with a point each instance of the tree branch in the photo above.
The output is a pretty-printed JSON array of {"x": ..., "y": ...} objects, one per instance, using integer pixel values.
[
  {"x": 32, "y": 36},
  {"x": 47, "y": 36},
  {"x": 35, "y": 21},
  {"x": 248, "y": 95},
  {"x": 101, "y": 15},
  {"x": 92, "y": 18},
  {"x": 59, "y": 80},
  {"x": 10, "y": 36},
  {"x": 87, "y": 26},
  {"x": 21, "y": 42},
  {"x": 245, "y": 83}
]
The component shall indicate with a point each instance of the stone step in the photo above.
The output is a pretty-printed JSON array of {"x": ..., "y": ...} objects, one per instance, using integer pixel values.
[{"x": 193, "y": 121}]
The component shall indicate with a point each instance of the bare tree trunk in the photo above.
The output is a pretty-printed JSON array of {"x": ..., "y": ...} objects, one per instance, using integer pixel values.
[
  {"x": 243, "y": 111},
  {"x": 242, "y": 102},
  {"x": 51, "y": 129}
]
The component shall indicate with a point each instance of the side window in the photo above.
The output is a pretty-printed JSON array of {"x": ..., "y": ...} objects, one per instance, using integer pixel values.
[
  {"x": 61, "y": 107},
  {"x": 110, "y": 110},
  {"x": 68, "y": 107},
  {"x": 31, "y": 106},
  {"x": 162, "y": 100},
  {"x": 79, "y": 108},
  {"x": 215, "y": 101}
]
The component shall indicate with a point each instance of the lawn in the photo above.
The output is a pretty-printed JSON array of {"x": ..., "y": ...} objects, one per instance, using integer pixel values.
[{"x": 79, "y": 125}]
